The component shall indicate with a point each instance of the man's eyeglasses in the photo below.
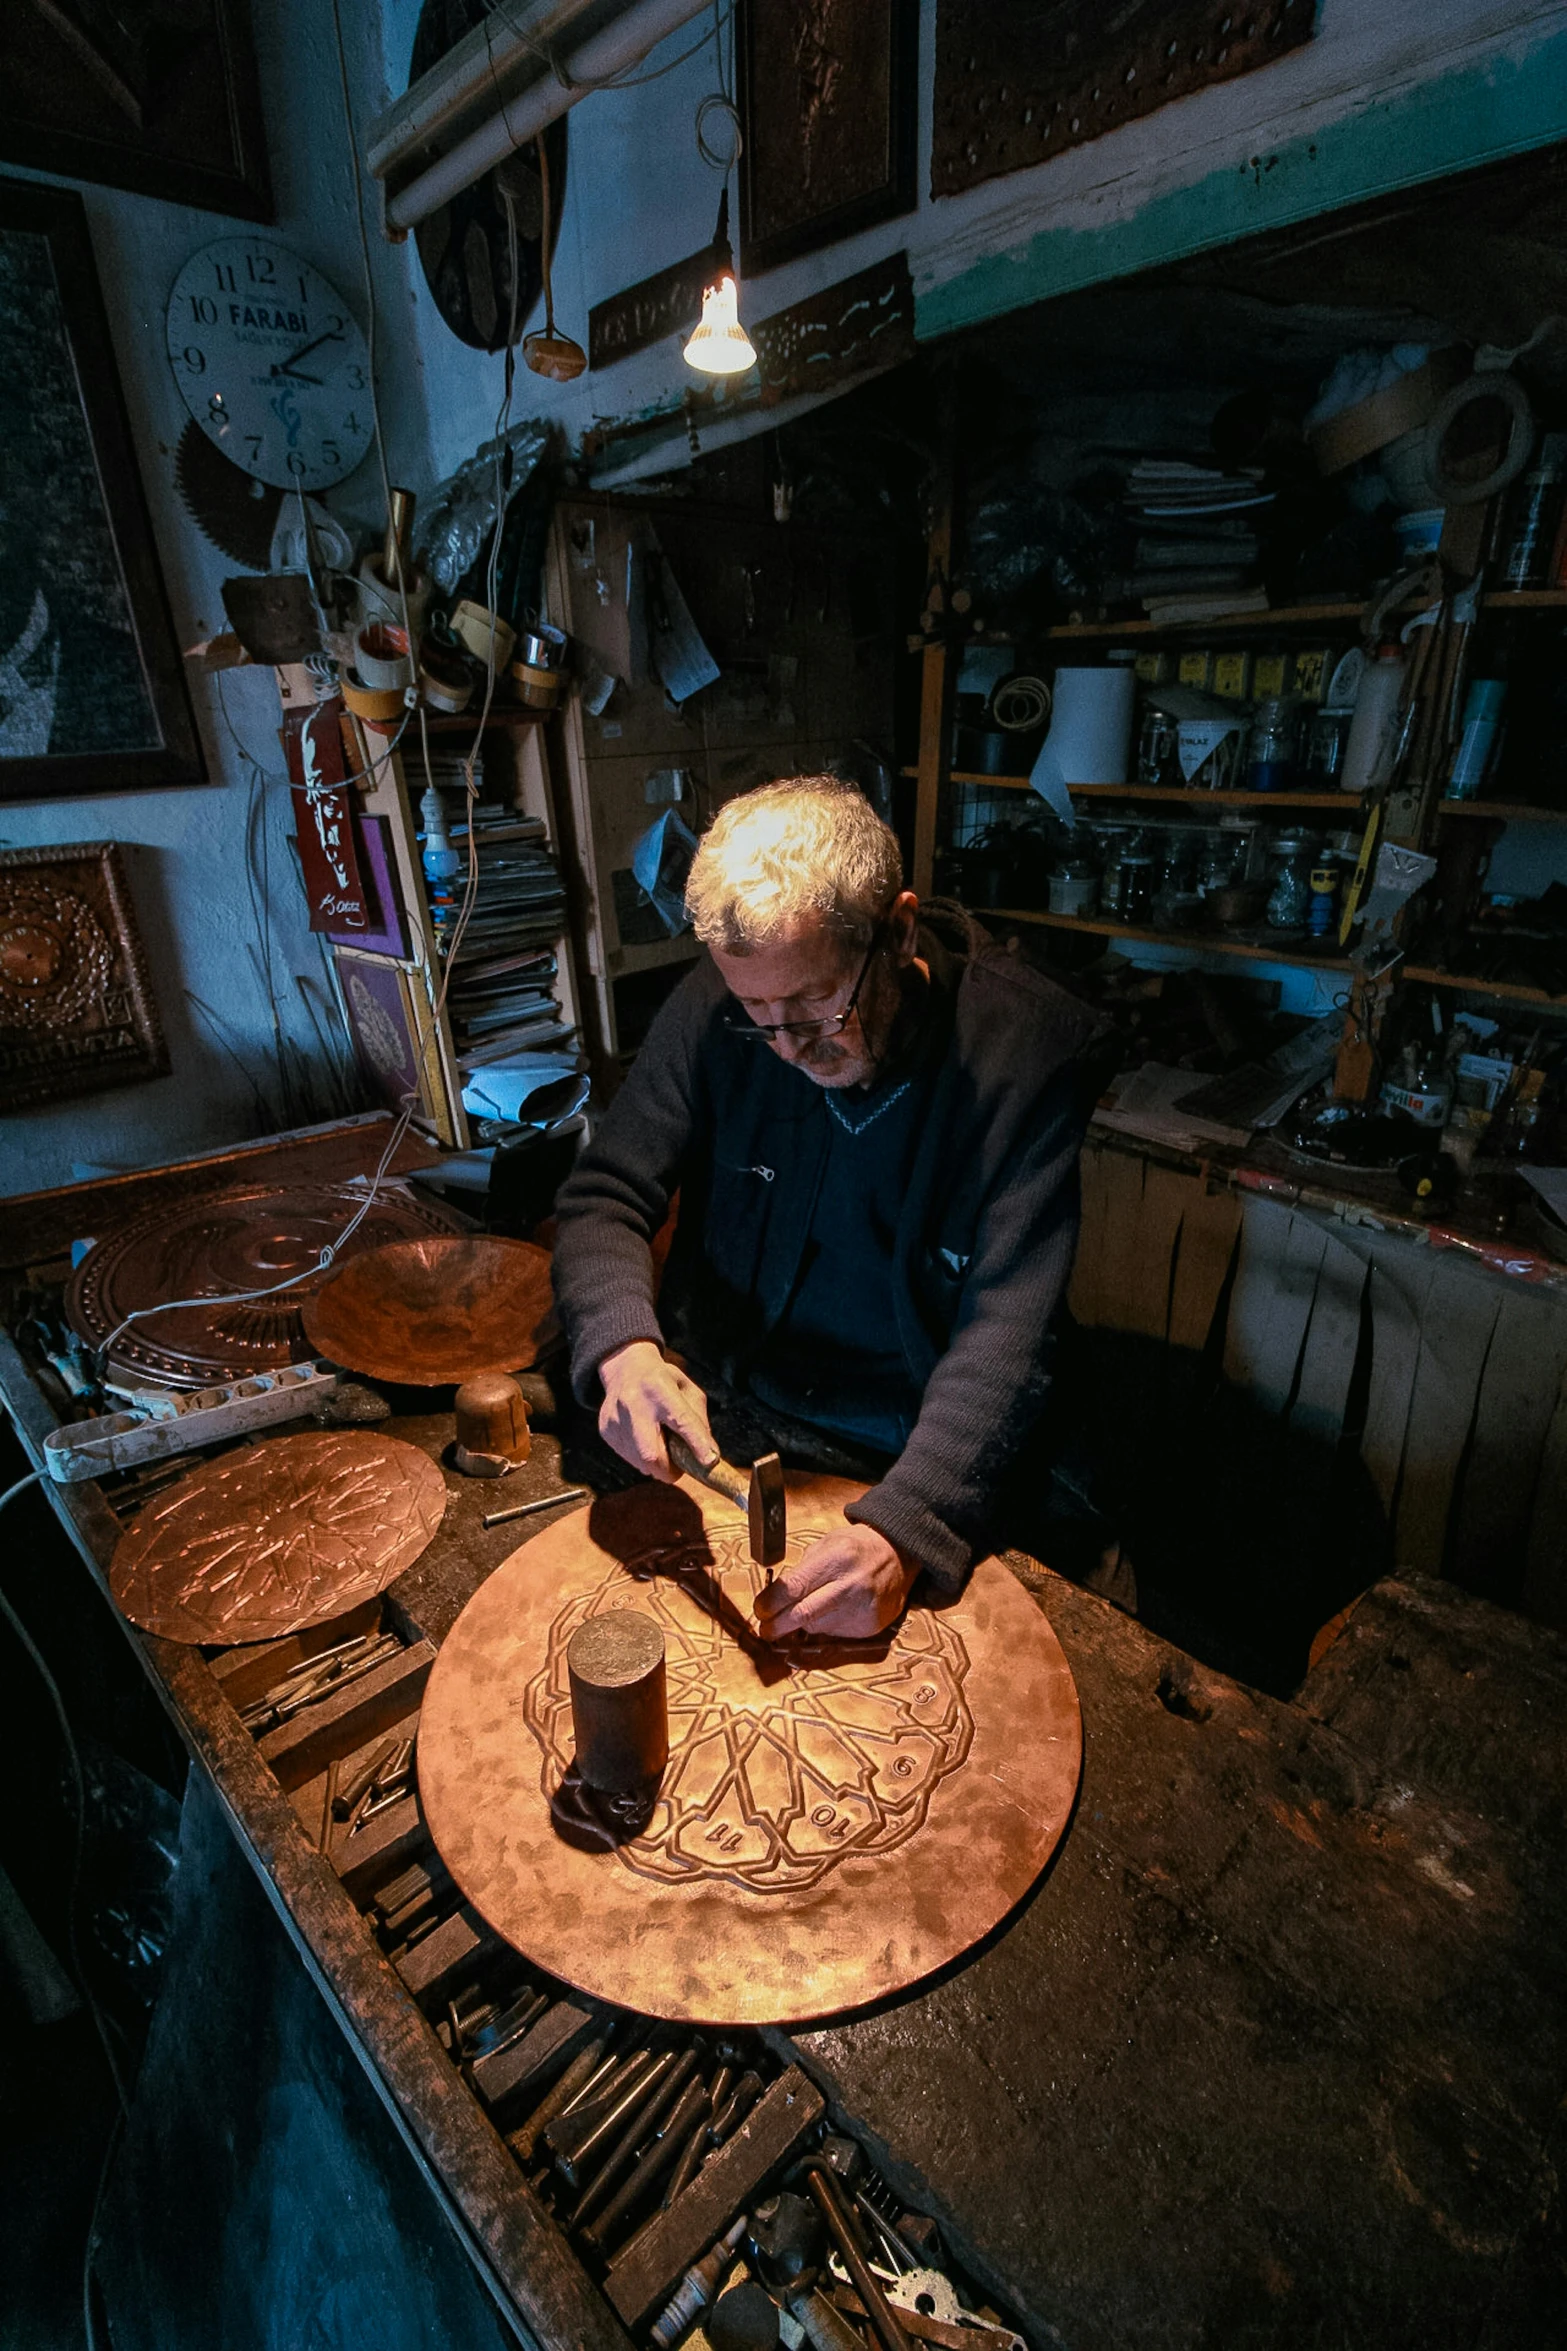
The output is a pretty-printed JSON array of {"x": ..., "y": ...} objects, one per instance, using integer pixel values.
[{"x": 812, "y": 1032}]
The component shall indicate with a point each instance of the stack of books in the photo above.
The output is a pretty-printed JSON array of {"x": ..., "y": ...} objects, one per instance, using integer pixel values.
[
  {"x": 501, "y": 973},
  {"x": 1197, "y": 551}
]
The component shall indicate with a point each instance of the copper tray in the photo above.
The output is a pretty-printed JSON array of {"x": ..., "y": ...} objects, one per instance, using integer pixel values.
[
  {"x": 435, "y": 1311},
  {"x": 242, "y": 1237},
  {"x": 836, "y": 1820},
  {"x": 269, "y": 1538}
]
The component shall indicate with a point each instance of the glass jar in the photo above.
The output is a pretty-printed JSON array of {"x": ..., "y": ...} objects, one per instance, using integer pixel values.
[
  {"x": 1289, "y": 898},
  {"x": 1136, "y": 886},
  {"x": 1275, "y": 736},
  {"x": 1157, "y": 766},
  {"x": 1117, "y": 839},
  {"x": 1074, "y": 885},
  {"x": 1325, "y": 742}
]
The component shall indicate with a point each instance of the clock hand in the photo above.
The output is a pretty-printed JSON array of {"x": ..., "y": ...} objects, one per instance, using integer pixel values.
[
  {"x": 295, "y": 375},
  {"x": 282, "y": 366}
]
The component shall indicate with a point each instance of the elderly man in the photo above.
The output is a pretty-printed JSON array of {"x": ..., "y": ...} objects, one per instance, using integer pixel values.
[{"x": 872, "y": 1118}]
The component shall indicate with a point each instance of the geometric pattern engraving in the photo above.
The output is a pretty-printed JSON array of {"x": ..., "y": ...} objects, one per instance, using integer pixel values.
[
  {"x": 782, "y": 1764},
  {"x": 273, "y": 1537}
]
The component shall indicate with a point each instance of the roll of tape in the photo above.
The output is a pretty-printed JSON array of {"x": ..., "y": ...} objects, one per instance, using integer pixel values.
[
  {"x": 1449, "y": 487},
  {"x": 480, "y": 630}
]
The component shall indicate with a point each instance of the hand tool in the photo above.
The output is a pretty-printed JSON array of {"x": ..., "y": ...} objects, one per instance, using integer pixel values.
[
  {"x": 620, "y": 2156},
  {"x": 575, "y": 2147},
  {"x": 619, "y": 1702},
  {"x": 650, "y": 2166},
  {"x": 499, "y": 1518},
  {"x": 823, "y": 2191},
  {"x": 577, "y": 2078},
  {"x": 642, "y": 2278},
  {"x": 759, "y": 1491},
  {"x": 696, "y": 2290}
]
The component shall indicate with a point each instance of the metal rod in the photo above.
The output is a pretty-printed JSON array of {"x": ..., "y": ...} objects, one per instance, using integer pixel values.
[
  {"x": 498, "y": 1518},
  {"x": 878, "y": 2309}
]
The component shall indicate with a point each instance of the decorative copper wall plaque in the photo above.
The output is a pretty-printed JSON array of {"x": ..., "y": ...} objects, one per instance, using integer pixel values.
[
  {"x": 76, "y": 1007},
  {"x": 836, "y": 1819},
  {"x": 828, "y": 101},
  {"x": 241, "y": 1238},
  {"x": 432, "y": 1312},
  {"x": 276, "y": 1536},
  {"x": 1020, "y": 80},
  {"x": 857, "y": 327}
]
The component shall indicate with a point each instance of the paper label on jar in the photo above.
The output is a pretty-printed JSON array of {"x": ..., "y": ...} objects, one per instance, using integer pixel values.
[{"x": 1198, "y": 738}]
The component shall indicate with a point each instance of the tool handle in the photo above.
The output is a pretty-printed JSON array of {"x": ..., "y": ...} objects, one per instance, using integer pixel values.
[{"x": 717, "y": 1474}]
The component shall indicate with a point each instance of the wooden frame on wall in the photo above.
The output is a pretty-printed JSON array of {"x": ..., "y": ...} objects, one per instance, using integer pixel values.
[
  {"x": 828, "y": 113},
  {"x": 161, "y": 98},
  {"x": 93, "y": 695},
  {"x": 77, "y": 1012}
]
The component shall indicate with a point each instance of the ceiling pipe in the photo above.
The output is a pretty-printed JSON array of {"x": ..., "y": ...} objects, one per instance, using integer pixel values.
[
  {"x": 621, "y": 45},
  {"x": 475, "y": 72}
]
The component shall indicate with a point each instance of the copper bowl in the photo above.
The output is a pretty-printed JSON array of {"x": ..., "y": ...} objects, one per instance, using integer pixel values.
[{"x": 430, "y": 1313}]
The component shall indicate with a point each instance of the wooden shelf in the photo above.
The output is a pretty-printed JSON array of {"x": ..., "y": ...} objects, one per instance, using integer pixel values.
[
  {"x": 1506, "y": 991},
  {"x": 1290, "y": 616},
  {"x": 463, "y": 722},
  {"x": 1195, "y": 942},
  {"x": 1503, "y": 811},
  {"x": 1172, "y": 795}
]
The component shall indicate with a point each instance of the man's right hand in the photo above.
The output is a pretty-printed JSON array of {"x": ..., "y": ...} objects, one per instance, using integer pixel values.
[{"x": 645, "y": 1394}]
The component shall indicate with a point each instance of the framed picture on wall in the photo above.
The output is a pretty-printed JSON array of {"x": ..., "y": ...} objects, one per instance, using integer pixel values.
[
  {"x": 160, "y": 98},
  {"x": 92, "y": 688},
  {"x": 828, "y": 112},
  {"x": 76, "y": 1006}
]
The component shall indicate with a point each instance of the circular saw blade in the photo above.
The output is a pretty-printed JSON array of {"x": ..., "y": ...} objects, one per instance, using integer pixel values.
[{"x": 236, "y": 512}]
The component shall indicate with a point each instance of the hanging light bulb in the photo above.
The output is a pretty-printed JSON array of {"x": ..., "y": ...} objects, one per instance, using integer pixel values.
[{"x": 719, "y": 344}]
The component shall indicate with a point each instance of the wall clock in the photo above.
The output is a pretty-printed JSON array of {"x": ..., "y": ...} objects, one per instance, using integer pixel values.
[{"x": 271, "y": 363}]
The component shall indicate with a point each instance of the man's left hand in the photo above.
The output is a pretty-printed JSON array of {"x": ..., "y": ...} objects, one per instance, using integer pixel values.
[{"x": 847, "y": 1587}]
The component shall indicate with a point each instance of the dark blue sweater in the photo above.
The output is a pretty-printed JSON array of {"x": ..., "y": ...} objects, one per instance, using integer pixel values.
[{"x": 983, "y": 1245}]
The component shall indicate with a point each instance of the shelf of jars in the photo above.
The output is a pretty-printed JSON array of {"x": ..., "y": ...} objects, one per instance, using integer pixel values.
[
  {"x": 1256, "y": 947},
  {"x": 1283, "y": 616}
]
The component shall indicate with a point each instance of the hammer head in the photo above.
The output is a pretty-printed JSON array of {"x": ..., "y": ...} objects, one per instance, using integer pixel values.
[{"x": 766, "y": 1512}]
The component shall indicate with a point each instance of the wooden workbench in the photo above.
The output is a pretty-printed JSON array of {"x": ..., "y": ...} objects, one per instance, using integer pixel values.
[{"x": 1275, "y": 2053}]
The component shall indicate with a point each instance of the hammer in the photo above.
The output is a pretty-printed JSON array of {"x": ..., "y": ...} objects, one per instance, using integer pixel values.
[{"x": 759, "y": 1492}]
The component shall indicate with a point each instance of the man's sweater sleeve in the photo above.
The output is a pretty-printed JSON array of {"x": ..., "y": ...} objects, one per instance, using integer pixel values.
[
  {"x": 989, "y": 1386},
  {"x": 617, "y": 1196}
]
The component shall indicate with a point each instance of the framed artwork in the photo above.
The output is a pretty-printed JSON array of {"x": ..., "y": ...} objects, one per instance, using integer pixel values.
[
  {"x": 160, "y": 98},
  {"x": 92, "y": 688},
  {"x": 397, "y": 1041},
  {"x": 828, "y": 113},
  {"x": 76, "y": 1006},
  {"x": 387, "y": 932}
]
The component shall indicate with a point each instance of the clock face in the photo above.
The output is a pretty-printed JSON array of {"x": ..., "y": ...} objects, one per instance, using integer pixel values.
[{"x": 270, "y": 363}]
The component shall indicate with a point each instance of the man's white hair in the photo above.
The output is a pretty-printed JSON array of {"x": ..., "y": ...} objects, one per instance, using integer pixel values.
[{"x": 811, "y": 849}]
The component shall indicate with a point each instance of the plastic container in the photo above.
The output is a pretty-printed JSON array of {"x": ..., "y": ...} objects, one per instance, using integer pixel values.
[
  {"x": 1373, "y": 730},
  {"x": 1480, "y": 738},
  {"x": 1275, "y": 736}
]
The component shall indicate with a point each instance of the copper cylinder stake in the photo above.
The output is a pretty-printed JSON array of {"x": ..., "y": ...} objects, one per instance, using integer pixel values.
[
  {"x": 492, "y": 1425},
  {"x": 619, "y": 1709}
]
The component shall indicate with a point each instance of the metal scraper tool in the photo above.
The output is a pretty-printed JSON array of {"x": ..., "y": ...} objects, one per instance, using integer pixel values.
[{"x": 759, "y": 1491}]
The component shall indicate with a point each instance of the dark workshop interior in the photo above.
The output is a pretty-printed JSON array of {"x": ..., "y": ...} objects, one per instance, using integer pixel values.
[{"x": 783, "y": 1175}]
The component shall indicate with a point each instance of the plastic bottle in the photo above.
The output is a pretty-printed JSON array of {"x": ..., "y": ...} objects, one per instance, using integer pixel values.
[{"x": 1373, "y": 730}]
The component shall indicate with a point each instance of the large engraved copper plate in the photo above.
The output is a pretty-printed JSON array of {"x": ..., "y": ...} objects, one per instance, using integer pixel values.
[
  {"x": 836, "y": 1820},
  {"x": 242, "y": 1237},
  {"x": 433, "y": 1312},
  {"x": 273, "y": 1537}
]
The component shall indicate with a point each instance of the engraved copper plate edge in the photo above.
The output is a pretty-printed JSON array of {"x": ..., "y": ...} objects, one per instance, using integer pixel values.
[
  {"x": 716, "y": 1951},
  {"x": 273, "y": 1537}
]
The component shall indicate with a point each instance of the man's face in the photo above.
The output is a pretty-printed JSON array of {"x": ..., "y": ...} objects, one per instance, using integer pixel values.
[{"x": 810, "y": 976}]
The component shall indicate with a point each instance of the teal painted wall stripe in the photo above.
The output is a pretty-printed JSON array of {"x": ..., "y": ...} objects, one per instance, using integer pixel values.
[{"x": 1451, "y": 124}]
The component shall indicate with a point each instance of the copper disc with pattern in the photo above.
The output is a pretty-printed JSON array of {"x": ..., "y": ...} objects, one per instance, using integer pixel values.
[
  {"x": 207, "y": 1247},
  {"x": 276, "y": 1536},
  {"x": 837, "y": 1819}
]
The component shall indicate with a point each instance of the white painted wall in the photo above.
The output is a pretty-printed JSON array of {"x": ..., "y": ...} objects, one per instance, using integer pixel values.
[
  {"x": 1384, "y": 95},
  {"x": 187, "y": 848}
]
